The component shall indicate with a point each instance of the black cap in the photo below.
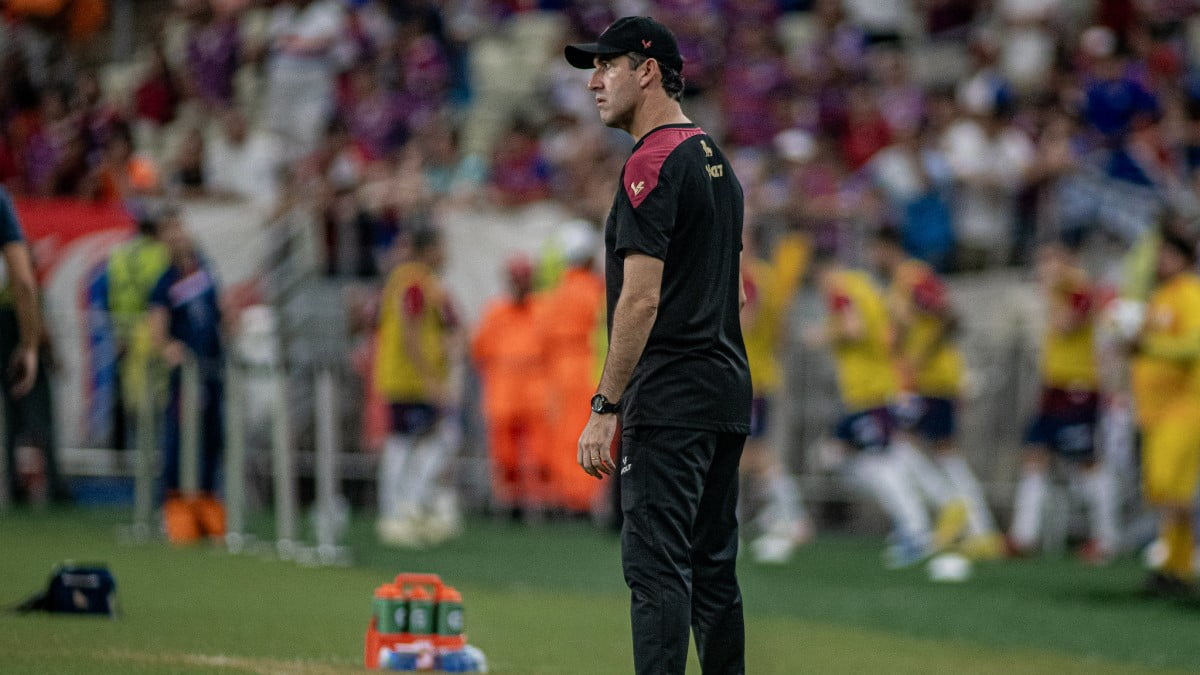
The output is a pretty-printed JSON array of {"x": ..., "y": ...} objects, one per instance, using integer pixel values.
[{"x": 639, "y": 34}]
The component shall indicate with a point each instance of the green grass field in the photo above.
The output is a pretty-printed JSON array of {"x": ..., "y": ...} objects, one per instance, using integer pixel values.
[{"x": 551, "y": 600}]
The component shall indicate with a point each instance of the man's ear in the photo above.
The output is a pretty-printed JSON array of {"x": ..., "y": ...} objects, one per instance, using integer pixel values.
[{"x": 645, "y": 77}]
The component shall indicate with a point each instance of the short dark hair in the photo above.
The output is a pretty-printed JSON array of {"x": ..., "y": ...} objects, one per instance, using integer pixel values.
[
  {"x": 889, "y": 236},
  {"x": 424, "y": 238},
  {"x": 672, "y": 80}
]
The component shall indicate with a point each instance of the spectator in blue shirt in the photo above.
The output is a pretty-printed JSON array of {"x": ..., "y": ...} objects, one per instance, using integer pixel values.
[
  {"x": 185, "y": 317},
  {"x": 1116, "y": 103}
]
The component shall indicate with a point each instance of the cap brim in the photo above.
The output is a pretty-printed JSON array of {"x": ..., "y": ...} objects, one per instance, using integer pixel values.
[{"x": 584, "y": 55}]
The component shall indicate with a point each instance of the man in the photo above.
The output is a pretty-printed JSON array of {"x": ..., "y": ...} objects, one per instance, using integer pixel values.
[
  {"x": 1166, "y": 384},
  {"x": 301, "y": 67},
  {"x": 510, "y": 353},
  {"x": 780, "y": 523},
  {"x": 20, "y": 336},
  {"x": 676, "y": 367},
  {"x": 133, "y": 268},
  {"x": 572, "y": 319},
  {"x": 186, "y": 330},
  {"x": 859, "y": 334},
  {"x": 418, "y": 338},
  {"x": 931, "y": 370},
  {"x": 1066, "y": 423}
]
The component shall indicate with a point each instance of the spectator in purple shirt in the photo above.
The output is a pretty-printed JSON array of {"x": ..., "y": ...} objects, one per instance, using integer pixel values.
[
  {"x": 373, "y": 114},
  {"x": 754, "y": 74},
  {"x": 213, "y": 56},
  {"x": 520, "y": 175}
]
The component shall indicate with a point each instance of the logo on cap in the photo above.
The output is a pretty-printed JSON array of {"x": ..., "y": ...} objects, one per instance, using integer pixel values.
[
  {"x": 638, "y": 187},
  {"x": 646, "y": 44}
]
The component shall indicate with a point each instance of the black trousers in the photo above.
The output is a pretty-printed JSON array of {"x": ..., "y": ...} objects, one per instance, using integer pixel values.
[{"x": 679, "y": 547}]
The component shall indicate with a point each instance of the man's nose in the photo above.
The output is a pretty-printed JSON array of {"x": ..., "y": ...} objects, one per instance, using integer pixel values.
[{"x": 595, "y": 83}]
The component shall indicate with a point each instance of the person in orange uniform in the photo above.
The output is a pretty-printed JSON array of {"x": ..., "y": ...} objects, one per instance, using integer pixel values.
[
  {"x": 931, "y": 371},
  {"x": 572, "y": 319},
  {"x": 1166, "y": 387},
  {"x": 780, "y": 522},
  {"x": 510, "y": 353},
  {"x": 415, "y": 356},
  {"x": 1066, "y": 422}
]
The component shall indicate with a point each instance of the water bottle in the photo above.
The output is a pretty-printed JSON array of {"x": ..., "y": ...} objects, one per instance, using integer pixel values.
[
  {"x": 449, "y": 616},
  {"x": 391, "y": 610},
  {"x": 476, "y": 661},
  {"x": 399, "y": 659},
  {"x": 456, "y": 661},
  {"x": 420, "y": 613}
]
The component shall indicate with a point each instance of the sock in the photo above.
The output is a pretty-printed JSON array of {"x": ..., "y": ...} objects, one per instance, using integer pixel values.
[
  {"x": 888, "y": 482},
  {"x": 962, "y": 480},
  {"x": 1100, "y": 490},
  {"x": 397, "y": 451},
  {"x": 784, "y": 506},
  {"x": 1180, "y": 542},
  {"x": 428, "y": 460},
  {"x": 924, "y": 474},
  {"x": 1027, "y": 511}
]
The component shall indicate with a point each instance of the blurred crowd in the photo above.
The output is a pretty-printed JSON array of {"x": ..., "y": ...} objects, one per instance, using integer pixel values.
[
  {"x": 973, "y": 130},
  {"x": 969, "y": 126}
]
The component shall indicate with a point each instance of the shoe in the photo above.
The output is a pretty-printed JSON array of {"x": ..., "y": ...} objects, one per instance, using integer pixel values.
[
  {"x": 1092, "y": 553},
  {"x": 179, "y": 521},
  {"x": 951, "y": 521},
  {"x": 990, "y": 546},
  {"x": 1013, "y": 550},
  {"x": 444, "y": 522},
  {"x": 210, "y": 513},
  {"x": 771, "y": 549},
  {"x": 776, "y": 546},
  {"x": 902, "y": 552},
  {"x": 399, "y": 532},
  {"x": 1160, "y": 584}
]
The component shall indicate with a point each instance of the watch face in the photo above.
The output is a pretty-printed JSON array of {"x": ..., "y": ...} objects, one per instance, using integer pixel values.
[{"x": 598, "y": 403}]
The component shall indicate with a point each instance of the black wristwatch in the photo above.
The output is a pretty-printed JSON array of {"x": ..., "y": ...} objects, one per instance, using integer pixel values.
[{"x": 601, "y": 405}]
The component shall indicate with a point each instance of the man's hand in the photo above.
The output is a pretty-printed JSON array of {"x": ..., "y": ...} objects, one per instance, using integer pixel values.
[
  {"x": 438, "y": 395},
  {"x": 22, "y": 370},
  {"x": 595, "y": 445},
  {"x": 174, "y": 353}
]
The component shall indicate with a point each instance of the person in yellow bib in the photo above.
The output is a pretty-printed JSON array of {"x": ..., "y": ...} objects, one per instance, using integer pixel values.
[
  {"x": 780, "y": 521},
  {"x": 417, "y": 349},
  {"x": 930, "y": 368},
  {"x": 133, "y": 269},
  {"x": 1066, "y": 423},
  {"x": 1166, "y": 387},
  {"x": 859, "y": 334}
]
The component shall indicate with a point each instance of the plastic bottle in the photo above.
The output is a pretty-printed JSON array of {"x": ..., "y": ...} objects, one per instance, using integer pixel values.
[
  {"x": 420, "y": 613},
  {"x": 391, "y": 610},
  {"x": 449, "y": 615}
]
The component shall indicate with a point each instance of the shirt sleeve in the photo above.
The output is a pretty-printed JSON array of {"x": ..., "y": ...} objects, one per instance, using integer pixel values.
[
  {"x": 1080, "y": 301},
  {"x": 10, "y": 228},
  {"x": 646, "y": 211},
  {"x": 930, "y": 296},
  {"x": 160, "y": 295}
]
